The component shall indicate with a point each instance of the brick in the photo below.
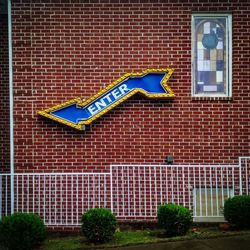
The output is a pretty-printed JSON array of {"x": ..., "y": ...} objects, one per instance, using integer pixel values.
[{"x": 71, "y": 49}]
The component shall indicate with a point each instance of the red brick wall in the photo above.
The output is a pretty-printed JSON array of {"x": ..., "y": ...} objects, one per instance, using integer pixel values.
[
  {"x": 75, "y": 48},
  {"x": 4, "y": 96}
]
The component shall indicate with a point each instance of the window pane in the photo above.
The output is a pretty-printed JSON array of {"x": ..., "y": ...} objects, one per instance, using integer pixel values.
[
  {"x": 210, "y": 48},
  {"x": 210, "y": 201}
]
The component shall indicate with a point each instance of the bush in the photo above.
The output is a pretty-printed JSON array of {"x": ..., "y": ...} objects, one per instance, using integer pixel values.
[
  {"x": 175, "y": 219},
  {"x": 237, "y": 211},
  {"x": 98, "y": 225},
  {"x": 22, "y": 231}
]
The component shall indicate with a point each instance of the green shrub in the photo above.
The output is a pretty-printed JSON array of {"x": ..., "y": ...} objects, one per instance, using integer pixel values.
[
  {"x": 98, "y": 225},
  {"x": 22, "y": 231},
  {"x": 175, "y": 219},
  {"x": 237, "y": 211}
]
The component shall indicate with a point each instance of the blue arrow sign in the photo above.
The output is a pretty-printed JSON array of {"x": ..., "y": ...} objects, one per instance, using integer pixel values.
[{"x": 75, "y": 113}]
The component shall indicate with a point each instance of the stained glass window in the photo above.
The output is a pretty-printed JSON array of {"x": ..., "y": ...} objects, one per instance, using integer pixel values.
[{"x": 211, "y": 44}]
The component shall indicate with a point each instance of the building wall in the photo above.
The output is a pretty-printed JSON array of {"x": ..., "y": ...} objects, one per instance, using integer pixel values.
[
  {"x": 4, "y": 96},
  {"x": 74, "y": 48}
]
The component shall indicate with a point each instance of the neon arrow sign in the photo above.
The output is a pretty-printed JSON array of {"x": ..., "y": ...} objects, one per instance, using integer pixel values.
[{"x": 75, "y": 113}]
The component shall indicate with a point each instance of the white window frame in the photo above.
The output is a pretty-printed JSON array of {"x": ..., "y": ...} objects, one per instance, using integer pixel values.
[
  {"x": 228, "y": 57},
  {"x": 208, "y": 203}
]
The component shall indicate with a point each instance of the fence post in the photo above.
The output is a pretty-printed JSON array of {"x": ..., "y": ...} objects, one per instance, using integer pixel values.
[
  {"x": 1, "y": 196},
  {"x": 240, "y": 173},
  {"x": 111, "y": 189}
]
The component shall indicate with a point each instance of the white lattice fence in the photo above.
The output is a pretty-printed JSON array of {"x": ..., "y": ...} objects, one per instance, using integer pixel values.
[
  {"x": 60, "y": 198},
  {"x": 138, "y": 190},
  {"x": 244, "y": 163},
  {"x": 131, "y": 191}
]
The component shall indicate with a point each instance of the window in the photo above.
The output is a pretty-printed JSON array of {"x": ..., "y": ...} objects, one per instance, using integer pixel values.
[
  {"x": 209, "y": 202},
  {"x": 212, "y": 53}
]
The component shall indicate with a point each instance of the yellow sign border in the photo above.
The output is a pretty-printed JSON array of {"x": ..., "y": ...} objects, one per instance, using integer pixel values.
[{"x": 81, "y": 125}]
